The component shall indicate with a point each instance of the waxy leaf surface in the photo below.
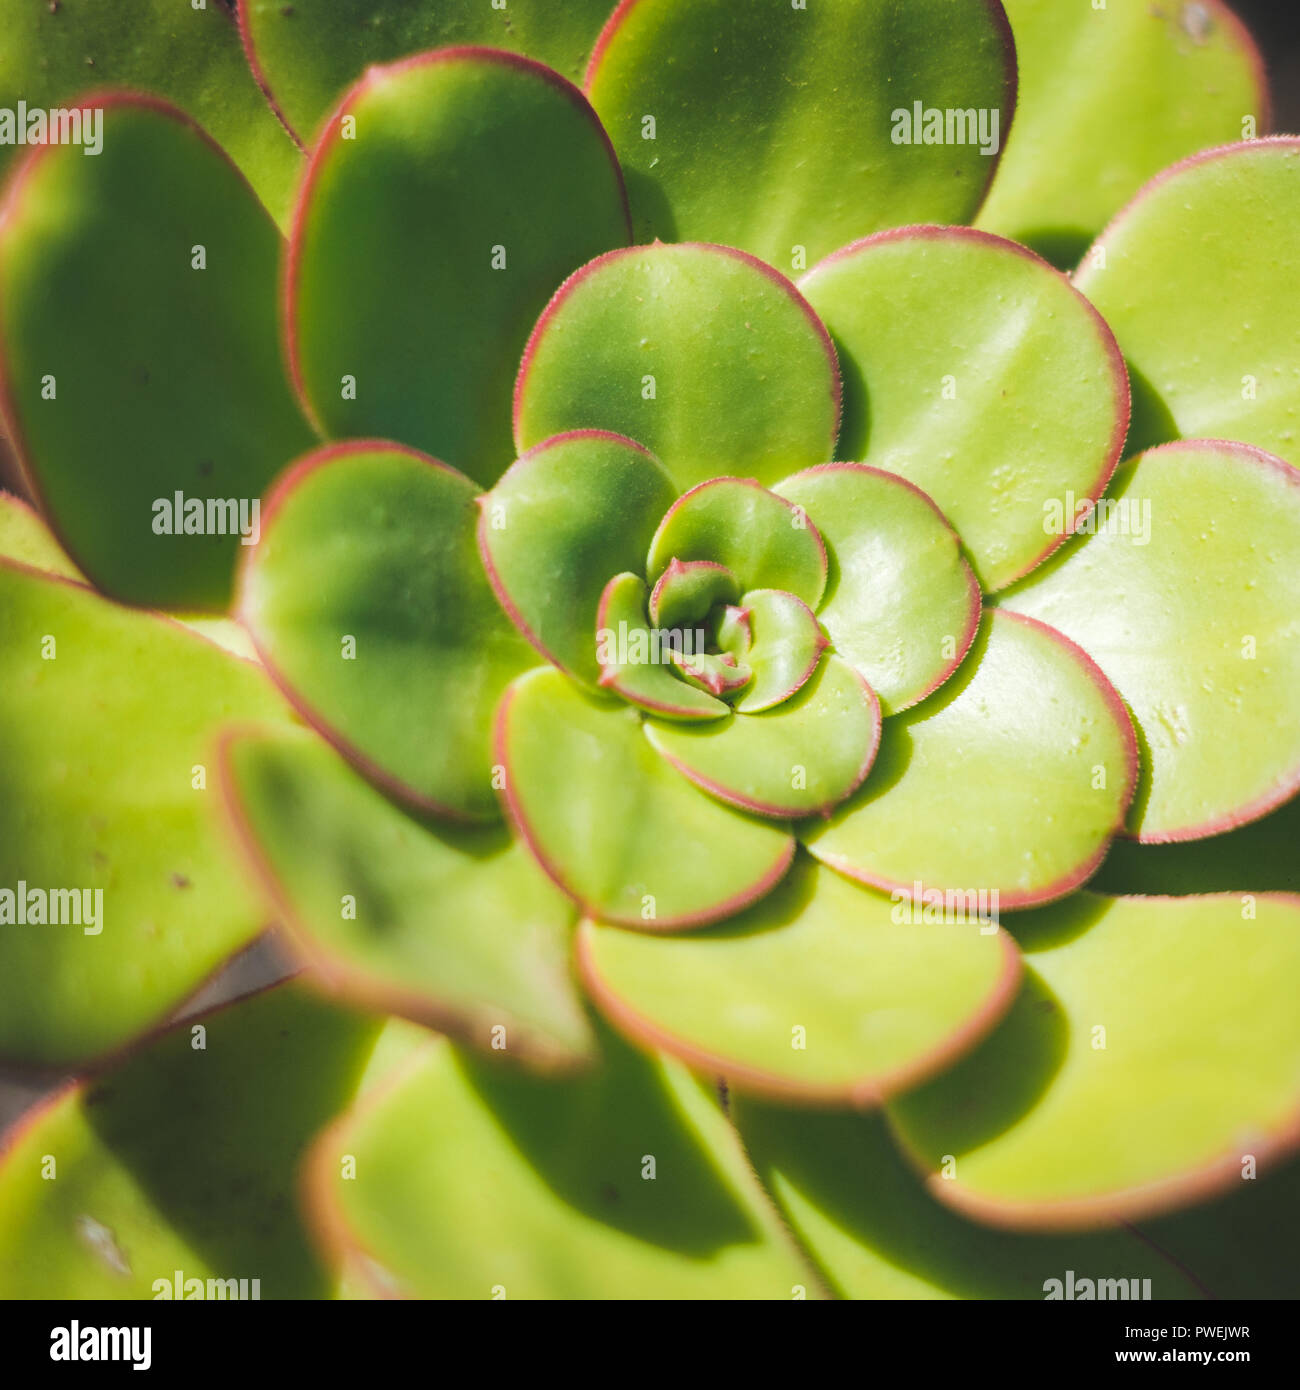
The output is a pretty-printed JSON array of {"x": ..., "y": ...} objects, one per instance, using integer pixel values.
[
  {"x": 1110, "y": 95},
  {"x": 1196, "y": 278},
  {"x": 566, "y": 519},
  {"x": 367, "y": 597},
  {"x": 761, "y": 538},
  {"x": 1154, "y": 1045},
  {"x": 141, "y": 354},
  {"x": 447, "y": 198},
  {"x": 799, "y": 759},
  {"x": 704, "y": 355},
  {"x": 977, "y": 372},
  {"x": 1188, "y": 597},
  {"x": 1012, "y": 778},
  {"x": 627, "y": 836},
  {"x": 457, "y": 929},
  {"x": 781, "y": 130},
  {"x": 106, "y": 786},
  {"x": 816, "y": 993},
  {"x": 902, "y": 605},
  {"x": 627, "y": 1183}
]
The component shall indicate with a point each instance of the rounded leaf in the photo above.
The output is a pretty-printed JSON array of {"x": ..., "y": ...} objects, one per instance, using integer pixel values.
[
  {"x": 622, "y": 833},
  {"x": 702, "y": 353},
  {"x": 447, "y": 197},
  {"x": 565, "y": 519},
  {"x": 456, "y": 929},
  {"x": 800, "y": 759},
  {"x": 760, "y": 537},
  {"x": 789, "y": 131},
  {"x": 1108, "y": 97},
  {"x": 141, "y": 362},
  {"x": 686, "y": 591},
  {"x": 977, "y": 372},
  {"x": 107, "y": 820},
  {"x": 1186, "y": 594},
  {"x": 862, "y": 1211},
  {"x": 1220, "y": 365},
  {"x": 563, "y": 1216},
  {"x": 901, "y": 605},
  {"x": 308, "y": 52},
  {"x": 815, "y": 994},
  {"x": 636, "y": 661},
  {"x": 1154, "y": 1044},
  {"x": 368, "y": 602},
  {"x": 788, "y": 643},
  {"x": 1011, "y": 779}
]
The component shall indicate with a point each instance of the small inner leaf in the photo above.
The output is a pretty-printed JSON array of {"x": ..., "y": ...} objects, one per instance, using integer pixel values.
[
  {"x": 447, "y": 197},
  {"x": 706, "y": 355},
  {"x": 788, "y": 644},
  {"x": 800, "y": 759},
  {"x": 636, "y": 661},
  {"x": 735, "y": 522},
  {"x": 564, "y": 519},
  {"x": 1011, "y": 779},
  {"x": 686, "y": 591}
]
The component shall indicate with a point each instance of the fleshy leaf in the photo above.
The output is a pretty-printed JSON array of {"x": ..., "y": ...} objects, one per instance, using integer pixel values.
[
  {"x": 568, "y": 1212},
  {"x": 686, "y": 591},
  {"x": 368, "y": 601},
  {"x": 902, "y": 605},
  {"x": 1221, "y": 365},
  {"x": 185, "y": 1158},
  {"x": 717, "y": 673},
  {"x": 405, "y": 322},
  {"x": 627, "y": 837},
  {"x": 761, "y": 538},
  {"x": 189, "y": 55},
  {"x": 1154, "y": 1045},
  {"x": 976, "y": 371},
  {"x": 733, "y": 631},
  {"x": 865, "y": 1216},
  {"x": 1108, "y": 97},
  {"x": 563, "y": 521},
  {"x": 1012, "y": 778},
  {"x": 787, "y": 647},
  {"x": 634, "y": 660},
  {"x": 790, "y": 131},
  {"x": 703, "y": 354},
  {"x": 105, "y": 787},
  {"x": 308, "y": 52},
  {"x": 145, "y": 390},
  {"x": 802, "y": 758},
  {"x": 1188, "y": 597},
  {"x": 456, "y": 929},
  {"x": 875, "y": 1006}
]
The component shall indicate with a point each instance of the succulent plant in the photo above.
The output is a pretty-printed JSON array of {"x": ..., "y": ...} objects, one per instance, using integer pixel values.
[{"x": 634, "y": 583}]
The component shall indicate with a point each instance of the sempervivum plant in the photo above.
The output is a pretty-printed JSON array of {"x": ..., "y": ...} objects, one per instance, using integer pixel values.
[{"x": 762, "y": 709}]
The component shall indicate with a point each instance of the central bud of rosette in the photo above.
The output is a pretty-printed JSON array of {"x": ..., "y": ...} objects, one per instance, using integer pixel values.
[{"x": 694, "y": 638}]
